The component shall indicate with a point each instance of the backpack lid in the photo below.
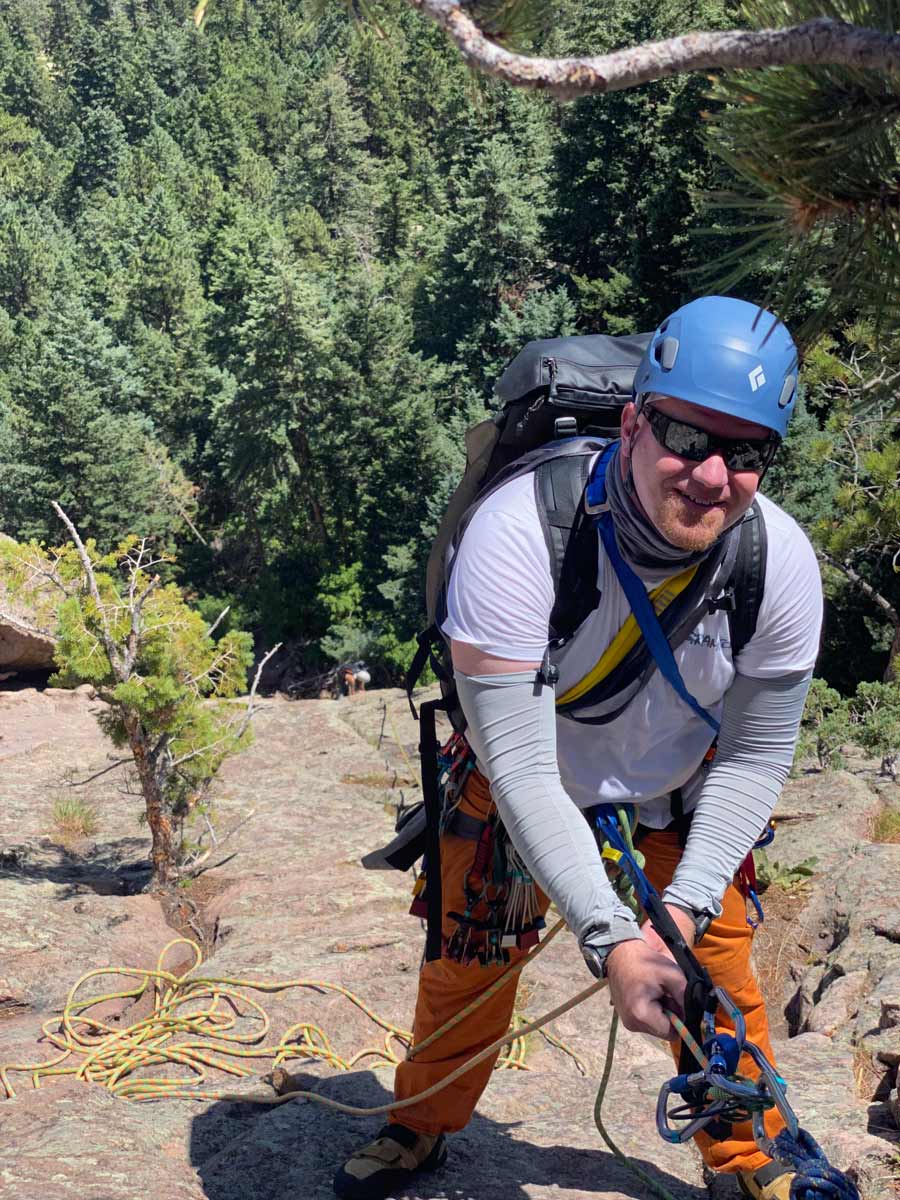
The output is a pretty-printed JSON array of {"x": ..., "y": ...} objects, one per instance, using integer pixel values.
[{"x": 598, "y": 366}]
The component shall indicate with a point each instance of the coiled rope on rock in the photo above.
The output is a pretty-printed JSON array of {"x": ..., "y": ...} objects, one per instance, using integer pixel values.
[{"x": 193, "y": 1022}]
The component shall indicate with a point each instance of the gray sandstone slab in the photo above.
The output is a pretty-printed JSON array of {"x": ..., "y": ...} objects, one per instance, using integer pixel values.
[{"x": 823, "y": 816}]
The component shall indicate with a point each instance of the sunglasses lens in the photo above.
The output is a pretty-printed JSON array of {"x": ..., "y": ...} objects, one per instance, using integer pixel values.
[
  {"x": 683, "y": 440},
  {"x": 740, "y": 454},
  {"x": 688, "y": 442},
  {"x": 747, "y": 456}
]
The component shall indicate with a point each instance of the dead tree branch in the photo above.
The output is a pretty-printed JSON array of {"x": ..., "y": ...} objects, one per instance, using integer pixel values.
[
  {"x": 866, "y": 588},
  {"x": 120, "y": 762},
  {"x": 221, "y": 617},
  {"x": 109, "y": 645},
  {"x": 194, "y": 868},
  {"x": 244, "y": 721},
  {"x": 818, "y": 42},
  {"x": 250, "y": 710}
]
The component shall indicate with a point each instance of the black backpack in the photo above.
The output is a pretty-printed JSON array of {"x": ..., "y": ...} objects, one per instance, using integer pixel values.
[{"x": 562, "y": 403}]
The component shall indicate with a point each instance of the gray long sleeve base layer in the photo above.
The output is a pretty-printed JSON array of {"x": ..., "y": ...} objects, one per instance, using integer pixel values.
[{"x": 512, "y": 729}]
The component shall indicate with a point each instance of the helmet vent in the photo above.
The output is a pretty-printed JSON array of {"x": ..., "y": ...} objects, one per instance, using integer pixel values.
[
  {"x": 787, "y": 392},
  {"x": 668, "y": 353}
]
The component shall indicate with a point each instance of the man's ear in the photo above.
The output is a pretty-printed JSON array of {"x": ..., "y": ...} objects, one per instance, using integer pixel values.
[{"x": 629, "y": 420}]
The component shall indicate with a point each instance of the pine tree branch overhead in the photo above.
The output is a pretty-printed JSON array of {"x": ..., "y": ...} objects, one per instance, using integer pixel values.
[
  {"x": 818, "y": 42},
  {"x": 816, "y": 158}
]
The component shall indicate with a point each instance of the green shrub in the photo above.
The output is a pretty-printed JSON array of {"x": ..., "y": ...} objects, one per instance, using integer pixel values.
[
  {"x": 825, "y": 727},
  {"x": 771, "y": 873},
  {"x": 875, "y": 713}
]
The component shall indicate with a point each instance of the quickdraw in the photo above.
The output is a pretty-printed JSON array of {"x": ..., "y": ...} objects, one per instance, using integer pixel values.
[
  {"x": 455, "y": 762},
  {"x": 501, "y": 911}
]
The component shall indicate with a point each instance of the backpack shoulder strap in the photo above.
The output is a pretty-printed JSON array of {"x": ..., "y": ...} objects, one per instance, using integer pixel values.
[
  {"x": 748, "y": 579},
  {"x": 571, "y": 540},
  {"x": 569, "y": 463}
]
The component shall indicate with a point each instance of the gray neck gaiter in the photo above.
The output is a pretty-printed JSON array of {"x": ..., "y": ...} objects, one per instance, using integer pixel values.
[{"x": 639, "y": 541}]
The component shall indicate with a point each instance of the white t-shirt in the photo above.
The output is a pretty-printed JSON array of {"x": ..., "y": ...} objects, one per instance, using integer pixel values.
[{"x": 500, "y": 598}]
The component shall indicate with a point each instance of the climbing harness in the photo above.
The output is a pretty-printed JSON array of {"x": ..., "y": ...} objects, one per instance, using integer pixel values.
[{"x": 501, "y": 910}]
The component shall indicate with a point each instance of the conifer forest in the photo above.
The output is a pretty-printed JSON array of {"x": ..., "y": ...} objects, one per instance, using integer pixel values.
[{"x": 259, "y": 273}]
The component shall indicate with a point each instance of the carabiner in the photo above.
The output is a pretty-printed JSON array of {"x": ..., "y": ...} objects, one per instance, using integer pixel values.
[
  {"x": 670, "y": 1133},
  {"x": 776, "y": 1087}
]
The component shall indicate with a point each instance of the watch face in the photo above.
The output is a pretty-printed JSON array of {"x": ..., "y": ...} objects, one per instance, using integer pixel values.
[{"x": 596, "y": 959}]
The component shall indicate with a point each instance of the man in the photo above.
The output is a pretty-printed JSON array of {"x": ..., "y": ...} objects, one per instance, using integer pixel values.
[{"x": 712, "y": 399}]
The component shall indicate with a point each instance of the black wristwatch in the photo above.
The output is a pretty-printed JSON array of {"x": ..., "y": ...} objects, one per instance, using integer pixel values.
[
  {"x": 701, "y": 917},
  {"x": 596, "y": 958}
]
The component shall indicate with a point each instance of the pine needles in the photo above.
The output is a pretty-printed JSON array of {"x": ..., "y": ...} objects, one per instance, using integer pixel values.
[
  {"x": 512, "y": 23},
  {"x": 819, "y": 149}
]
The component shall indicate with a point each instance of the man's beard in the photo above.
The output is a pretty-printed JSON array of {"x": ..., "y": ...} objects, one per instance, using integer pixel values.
[{"x": 688, "y": 528}]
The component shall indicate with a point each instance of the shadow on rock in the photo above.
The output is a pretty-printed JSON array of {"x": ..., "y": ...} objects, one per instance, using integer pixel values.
[
  {"x": 103, "y": 870},
  {"x": 881, "y": 1121},
  {"x": 243, "y": 1152}
]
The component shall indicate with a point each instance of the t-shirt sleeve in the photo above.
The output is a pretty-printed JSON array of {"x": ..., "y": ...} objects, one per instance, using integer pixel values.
[
  {"x": 789, "y": 625},
  {"x": 501, "y": 590}
]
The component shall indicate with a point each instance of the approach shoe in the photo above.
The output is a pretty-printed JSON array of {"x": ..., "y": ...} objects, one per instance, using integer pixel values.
[
  {"x": 386, "y": 1165},
  {"x": 769, "y": 1182}
]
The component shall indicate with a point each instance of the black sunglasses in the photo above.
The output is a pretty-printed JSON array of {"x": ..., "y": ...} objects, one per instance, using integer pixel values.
[{"x": 687, "y": 441}]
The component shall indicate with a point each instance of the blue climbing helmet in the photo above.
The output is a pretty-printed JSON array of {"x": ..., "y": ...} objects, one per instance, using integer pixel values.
[{"x": 727, "y": 355}]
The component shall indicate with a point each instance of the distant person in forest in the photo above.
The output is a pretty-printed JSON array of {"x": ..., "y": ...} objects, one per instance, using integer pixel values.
[
  {"x": 353, "y": 678},
  {"x": 712, "y": 401}
]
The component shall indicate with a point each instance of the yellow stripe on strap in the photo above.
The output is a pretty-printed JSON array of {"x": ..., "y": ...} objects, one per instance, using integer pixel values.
[{"x": 627, "y": 637}]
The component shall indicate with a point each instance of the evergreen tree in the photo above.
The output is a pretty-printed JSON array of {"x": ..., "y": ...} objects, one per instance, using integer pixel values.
[
  {"x": 629, "y": 169},
  {"x": 35, "y": 259},
  {"x": 72, "y": 434},
  {"x": 493, "y": 248},
  {"x": 327, "y": 165},
  {"x": 98, "y": 148},
  {"x": 165, "y": 292},
  {"x": 274, "y": 435}
]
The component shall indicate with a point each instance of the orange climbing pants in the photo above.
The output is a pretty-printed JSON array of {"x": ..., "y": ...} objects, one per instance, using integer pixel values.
[{"x": 446, "y": 986}]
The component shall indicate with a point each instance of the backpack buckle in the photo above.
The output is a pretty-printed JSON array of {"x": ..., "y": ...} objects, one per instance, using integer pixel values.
[
  {"x": 727, "y": 602},
  {"x": 547, "y": 673},
  {"x": 564, "y": 427},
  {"x": 595, "y": 510}
]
